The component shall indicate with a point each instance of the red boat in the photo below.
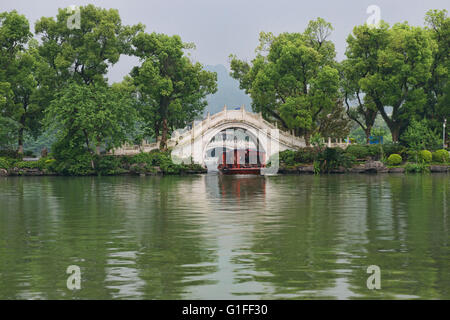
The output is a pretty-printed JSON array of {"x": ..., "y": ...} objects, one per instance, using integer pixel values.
[{"x": 242, "y": 161}]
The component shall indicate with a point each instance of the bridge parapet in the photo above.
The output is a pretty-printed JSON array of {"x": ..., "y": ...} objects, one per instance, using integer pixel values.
[
  {"x": 237, "y": 116},
  {"x": 225, "y": 119}
]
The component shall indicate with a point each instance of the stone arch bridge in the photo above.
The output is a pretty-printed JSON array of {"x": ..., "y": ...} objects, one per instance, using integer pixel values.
[{"x": 194, "y": 141}]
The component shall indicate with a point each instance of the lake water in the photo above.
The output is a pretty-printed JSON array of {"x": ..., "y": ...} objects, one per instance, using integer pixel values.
[{"x": 225, "y": 237}]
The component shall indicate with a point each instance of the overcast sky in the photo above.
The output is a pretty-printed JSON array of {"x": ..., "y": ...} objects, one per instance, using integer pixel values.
[{"x": 219, "y": 28}]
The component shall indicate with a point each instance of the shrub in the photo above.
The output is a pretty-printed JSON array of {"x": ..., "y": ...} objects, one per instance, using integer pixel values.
[
  {"x": 305, "y": 155},
  {"x": 142, "y": 157},
  {"x": 419, "y": 135},
  {"x": 41, "y": 164},
  {"x": 171, "y": 168},
  {"x": 125, "y": 161},
  {"x": 10, "y": 154},
  {"x": 333, "y": 158},
  {"x": 71, "y": 157},
  {"x": 316, "y": 166},
  {"x": 49, "y": 164},
  {"x": 107, "y": 165},
  {"x": 5, "y": 163},
  {"x": 27, "y": 165},
  {"x": 394, "y": 159},
  {"x": 425, "y": 156},
  {"x": 441, "y": 156},
  {"x": 158, "y": 159},
  {"x": 29, "y": 153},
  {"x": 287, "y": 157},
  {"x": 196, "y": 167},
  {"x": 79, "y": 165},
  {"x": 358, "y": 151},
  {"x": 365, "y": 151},
  {"x": 416, "y": 168},
  {"x": 139, "y": 168},
  {"x": 412, "y": 156},
  {"x": 154, "y": 158},
  {"x": 391, "y": 148},
  {"x": 374, "y": 150}
]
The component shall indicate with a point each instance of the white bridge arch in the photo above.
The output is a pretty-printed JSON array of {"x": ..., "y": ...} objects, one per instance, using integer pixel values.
[
  {"x": 195, "y": 142},
  {"x": 192, "y": 142}
]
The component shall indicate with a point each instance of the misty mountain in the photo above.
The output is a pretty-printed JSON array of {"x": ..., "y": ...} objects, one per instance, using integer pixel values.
[{"x": 228, "y": 92}]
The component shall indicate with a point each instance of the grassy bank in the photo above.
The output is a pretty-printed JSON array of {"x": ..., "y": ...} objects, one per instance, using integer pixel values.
[
  {"x": 356, "y": 159},
  {"x": 153, "y": 163},
  {"x": 363, "y": 158}
]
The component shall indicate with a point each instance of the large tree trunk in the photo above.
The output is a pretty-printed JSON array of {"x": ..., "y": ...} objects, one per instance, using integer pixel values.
[
  {"x": 392, "y": 123},
  {"x": 97, "y": 147},
  {"x": 307, "y": 137},
  {"x": 393, "y": 126},
  {"x": 164, "y": 133},
  {"x": 367, "y": 132},
  {"x": 157, "y": 137},
  {"x": 21, "y": 130},
  {"x": 395, "y": 131},
  {"x": 20, "y": 141},
  {"x": 89, "y": 148}
]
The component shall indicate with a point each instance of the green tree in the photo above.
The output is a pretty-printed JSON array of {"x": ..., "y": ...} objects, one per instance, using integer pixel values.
[
  {"x": 438, "y": 87},
  {"x": 362, "y": 61},
  {"x": 77, "y": 60},
  {"x": 19, "y": 79},
  {"x": 95, "y": 115},
  {"x": 335, "y": 124},
  {"x": 418, "y": 136},
  {"x": 171, "y": 88},
  {"x": 293, "y": 80},
  {"x": 401, "y": 68},
  {"x": 8, "y": 136},
  {"x": 85, "y": 54},
  {"x": 27, "y": 103}
]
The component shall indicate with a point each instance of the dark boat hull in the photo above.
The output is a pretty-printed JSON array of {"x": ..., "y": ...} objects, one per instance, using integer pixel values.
[{"x": 240, "y": 170}]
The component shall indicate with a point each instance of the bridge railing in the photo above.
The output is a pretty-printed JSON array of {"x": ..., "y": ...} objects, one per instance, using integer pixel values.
[{"x": 185, "y": 135}]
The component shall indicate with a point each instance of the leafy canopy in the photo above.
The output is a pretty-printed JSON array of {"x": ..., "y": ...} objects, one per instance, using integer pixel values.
[
  {"x": 171, "y": 88},
  {"x": 95, "y": 114},
  {"x": 84, "y": 55},
  {"x": 21, "y": 98},
  {"x": 293, "y": 79},
  {"x": 390, "y": 66}
]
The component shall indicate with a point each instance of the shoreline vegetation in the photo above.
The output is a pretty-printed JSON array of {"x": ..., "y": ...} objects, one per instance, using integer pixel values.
[
  {"x": 391, "y": 158},
  {"x": 152, "y": 163},
  {"x": 392, "y": 86},
  {"x": 376, "y": 158}
]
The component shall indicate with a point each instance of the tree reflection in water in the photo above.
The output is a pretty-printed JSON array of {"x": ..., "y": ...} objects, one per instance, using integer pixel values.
[{"x": 215, "y": 236}]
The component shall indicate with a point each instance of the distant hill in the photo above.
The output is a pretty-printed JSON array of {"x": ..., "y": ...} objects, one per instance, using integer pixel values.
[{"x": 228, "y": 92}]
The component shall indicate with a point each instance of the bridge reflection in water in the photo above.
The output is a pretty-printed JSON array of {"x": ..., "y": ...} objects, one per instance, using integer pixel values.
[{"x": 225, "y": 237}]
